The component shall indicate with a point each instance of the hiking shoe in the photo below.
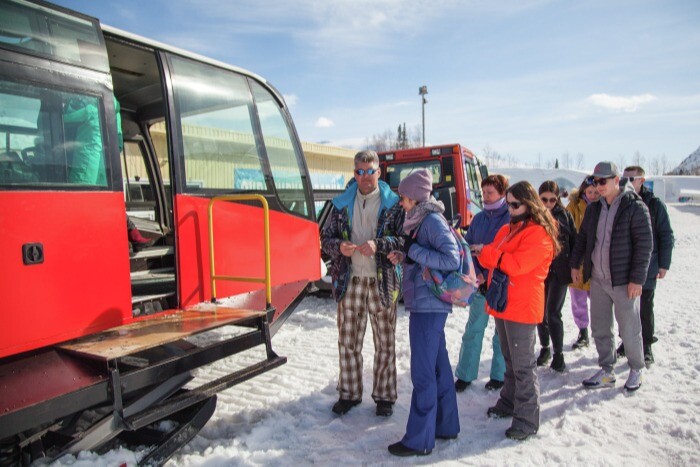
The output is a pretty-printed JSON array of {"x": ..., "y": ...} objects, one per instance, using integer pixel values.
[
  {"x": 494, "y": 385},
  {"x": 620, "y": 351},
  {"x": 398, "y": 449},
  {"x": 602, "y": 379},
  {"x": 461, "y": 385},
  {"x": 558, "y": 362},
  {"x": 343, "y": 406},
  {"x": 634, "y": 380},
  {"x": 496, "y": 412},
  {"x": 544, "y": 357},
  {"x": 519, "y": 434},
  {"x": 384, "y": 409},
  {"x": 582, "y": 340}
]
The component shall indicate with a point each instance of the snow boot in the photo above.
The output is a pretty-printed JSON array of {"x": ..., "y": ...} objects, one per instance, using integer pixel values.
[
  {"x": 582, "y": 340},
  {"x": 461, "y": 385},
  {"x": 558, "y": 362},
  {"x": 545, "y": 355}
]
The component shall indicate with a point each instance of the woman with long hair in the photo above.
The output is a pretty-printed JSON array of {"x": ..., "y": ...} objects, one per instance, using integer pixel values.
[
  {"x": 580, "y": 292},
  {"x": 523, "y": 250},
  {"x": 557, "y": 281}
]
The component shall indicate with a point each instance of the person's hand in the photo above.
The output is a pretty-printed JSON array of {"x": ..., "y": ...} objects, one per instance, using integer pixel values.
[
  {"x": 576, "y": 276},
  {"x": 661, "y": 274},
  {"x": 480, "y": 278},
  {"x": 634, "y": 290},
  {"x": 369, "y": 248},
  {"x": 347, "y": 248},
  {"x": 476, "y": 249},
  {"x": 396, "y": 257}
]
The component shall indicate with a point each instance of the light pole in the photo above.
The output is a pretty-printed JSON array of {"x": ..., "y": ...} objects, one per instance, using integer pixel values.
[{"x": 422, "y": 91}]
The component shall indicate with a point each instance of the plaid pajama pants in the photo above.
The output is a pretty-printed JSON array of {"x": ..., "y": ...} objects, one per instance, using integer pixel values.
[{"x": 362, "y": 298}]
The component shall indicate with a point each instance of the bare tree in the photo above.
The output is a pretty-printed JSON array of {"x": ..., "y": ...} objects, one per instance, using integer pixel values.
[
  {"x": 539, "y": 160},
  {"x": 566, "y": 160},
  {"x": 637, "y": 159},
  {"x": 579, "y": 161},
  {"x": 654, "y": 166},
  {"x": 664, "y": 164},
  {"x": 621, "y": 161}
]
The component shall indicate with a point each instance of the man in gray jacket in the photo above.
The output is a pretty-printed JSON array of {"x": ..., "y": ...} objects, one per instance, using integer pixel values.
[{"x": 614, "y": 244}]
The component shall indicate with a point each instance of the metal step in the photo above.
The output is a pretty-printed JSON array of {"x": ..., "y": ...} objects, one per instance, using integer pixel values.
[
  {"x": 153, "y": 275},
  {"x": 136, "y": 299},
  {"x": 153, "y": 252}
]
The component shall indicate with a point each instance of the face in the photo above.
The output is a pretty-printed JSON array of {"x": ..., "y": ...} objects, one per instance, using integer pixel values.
[
  {"x": 406, "y": 203},
  {"x": 515, "y": 207},
  {"x": 636, "y": 180},
  {"x": 606, "y": 186},
  {"x": 549, "y": 199},
  {"x": 490, "y": 194},
  {"x": 367, "y": 183},
  {"x": 591, "y": 193}
]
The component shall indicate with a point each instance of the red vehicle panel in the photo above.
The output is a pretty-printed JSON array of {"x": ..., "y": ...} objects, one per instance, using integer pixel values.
[
  {"x": 82, "y": 286},
  {"x": 240, "y": 224}
]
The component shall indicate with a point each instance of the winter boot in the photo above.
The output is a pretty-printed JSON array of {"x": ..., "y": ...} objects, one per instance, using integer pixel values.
[
  {"x": 648, "y": 356},
  {"x": 461, "y": 385},
  {"x": 582, "y": 340},
  {"x": 138, "y": 241},
  {"x": 620, "y": 351},
  {"x": 558, "y": 362},
  {"x": 544, "y": 357}
]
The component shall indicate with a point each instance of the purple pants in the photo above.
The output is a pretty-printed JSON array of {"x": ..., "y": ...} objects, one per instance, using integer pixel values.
[{"x": 579, "y": 306}]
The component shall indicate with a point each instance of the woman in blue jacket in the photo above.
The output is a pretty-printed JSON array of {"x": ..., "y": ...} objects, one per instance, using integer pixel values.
[
  {"x": 481, "y": 232},
  {"x": 430, "y": 243}
]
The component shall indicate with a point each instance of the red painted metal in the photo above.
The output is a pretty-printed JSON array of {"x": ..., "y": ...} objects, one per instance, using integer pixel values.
[
  {"x": 83, "y": 285},
  {"x": 238, "y": 247}
]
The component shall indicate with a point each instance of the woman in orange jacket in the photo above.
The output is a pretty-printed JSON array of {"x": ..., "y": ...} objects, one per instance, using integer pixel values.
[{"x": 523, "y": 250}]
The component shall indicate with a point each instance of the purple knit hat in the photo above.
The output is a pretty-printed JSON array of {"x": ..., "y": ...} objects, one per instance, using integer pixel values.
[{"x": 417, "y": 186}]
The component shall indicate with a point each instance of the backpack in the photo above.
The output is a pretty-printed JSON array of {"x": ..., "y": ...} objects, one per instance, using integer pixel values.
[{"x": 454, "y": 287}]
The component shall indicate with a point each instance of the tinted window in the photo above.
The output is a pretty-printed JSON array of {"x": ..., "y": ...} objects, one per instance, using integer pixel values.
[
  {"x": 42, "y": 31},
  {"x": 397, "y": 172},
  {"x": 216, "y": 110},
  {"x": 285, "y": 162},
  {"x": 50, "y": 137}
]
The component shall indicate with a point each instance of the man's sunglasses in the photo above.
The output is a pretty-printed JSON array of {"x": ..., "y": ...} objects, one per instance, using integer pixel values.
[
  {"x": 515, "y": 204},
  {"x": 546, "y": 200},
  {"x": 601, "y": 181},
  {"x": 366, "y": 171}
]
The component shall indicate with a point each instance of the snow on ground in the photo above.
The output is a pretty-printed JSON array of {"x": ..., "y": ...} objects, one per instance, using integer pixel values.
[{"x": 283, "y": 417}]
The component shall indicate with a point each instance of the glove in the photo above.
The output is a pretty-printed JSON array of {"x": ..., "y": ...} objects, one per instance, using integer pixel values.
[{"x": 408, "y": 240}]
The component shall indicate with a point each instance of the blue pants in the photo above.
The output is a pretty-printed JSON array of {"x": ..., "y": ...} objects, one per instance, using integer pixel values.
[
  {"x": 470, "y": 352},
  {"x": 434, "y": 400}
]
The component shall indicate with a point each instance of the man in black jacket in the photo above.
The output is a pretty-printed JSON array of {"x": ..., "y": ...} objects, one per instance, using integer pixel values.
[
  {"x": 614, "y": 244},
  {"x": 660, "y": 257}
]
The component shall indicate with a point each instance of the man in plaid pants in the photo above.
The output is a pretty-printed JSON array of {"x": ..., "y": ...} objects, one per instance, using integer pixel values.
[{"x": 362, "y": 230}]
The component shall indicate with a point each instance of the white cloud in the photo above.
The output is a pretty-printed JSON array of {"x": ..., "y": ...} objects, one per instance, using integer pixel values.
[
  {"x": 620, "y": 103},
  {"x": 324, "y": 122},
  {"x": 291, "y": 99}
]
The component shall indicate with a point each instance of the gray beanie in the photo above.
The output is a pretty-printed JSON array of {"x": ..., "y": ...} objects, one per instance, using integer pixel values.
[{"x": 417, "y": 186}]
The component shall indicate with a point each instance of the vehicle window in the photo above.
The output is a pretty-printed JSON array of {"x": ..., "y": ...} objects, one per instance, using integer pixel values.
[
  {"x": 397, "y": 172},
  {"x": 285, "y": 161},
  {"x": 42, "y": 31},
  {"x": 215, "y": 113},
  {"x": 49, "y": 137},
  {"x": 474, "y": 186}
]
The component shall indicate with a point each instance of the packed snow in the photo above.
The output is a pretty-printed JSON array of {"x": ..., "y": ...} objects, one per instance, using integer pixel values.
[{"x": 284, "y": 417}]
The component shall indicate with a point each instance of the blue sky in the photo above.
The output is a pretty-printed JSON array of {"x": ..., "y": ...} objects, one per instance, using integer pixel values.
[{"x": 532, "y": 79}]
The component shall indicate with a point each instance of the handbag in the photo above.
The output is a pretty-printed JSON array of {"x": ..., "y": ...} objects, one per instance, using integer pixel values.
[
  {"x": 454, "y": 287},
  {"x": 497, "y": 293}
]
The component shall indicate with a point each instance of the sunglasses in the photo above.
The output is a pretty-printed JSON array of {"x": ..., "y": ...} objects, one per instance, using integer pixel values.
[
  {"x": 515, "y": 204},
  {"x": 633, "y": 178},
  {"x": 546, "y": 200},
  {"x": 601, "y": 181},
  {"x": 366, "y": 171}
]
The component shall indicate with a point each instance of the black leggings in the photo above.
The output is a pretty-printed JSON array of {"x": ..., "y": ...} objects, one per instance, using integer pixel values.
[{"x": 552, "y": 325}]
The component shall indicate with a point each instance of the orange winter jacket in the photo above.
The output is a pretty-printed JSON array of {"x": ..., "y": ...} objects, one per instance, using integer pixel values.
[{"x": 525, "y": 256}]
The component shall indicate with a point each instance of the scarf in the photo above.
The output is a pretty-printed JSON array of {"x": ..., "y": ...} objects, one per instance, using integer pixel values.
[
  {"x": 495, "y": 205},
  {"x": 415, "y": 216}
]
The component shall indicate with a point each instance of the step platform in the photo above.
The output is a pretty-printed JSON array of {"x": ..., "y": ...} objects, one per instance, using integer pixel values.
[{"x": 158, "y": 330}]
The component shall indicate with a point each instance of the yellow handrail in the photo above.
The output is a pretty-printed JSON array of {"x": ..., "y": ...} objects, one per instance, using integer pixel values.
[{"x": 266, "y": 232}]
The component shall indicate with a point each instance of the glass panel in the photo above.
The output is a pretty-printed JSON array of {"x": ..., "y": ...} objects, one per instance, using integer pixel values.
[
  {"x": 43, "y": 31},
  {"x": 215, "y": 110},
  {"x": 159, "y": 138},
  {"x": 474, "y": 187},
  {"x": 284, "y": 161},
  {"x": 50, "y": 137},
  {"x": 397, "y": 172}
]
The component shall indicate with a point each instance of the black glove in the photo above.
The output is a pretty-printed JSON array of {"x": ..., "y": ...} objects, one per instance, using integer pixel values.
[{"x": 408, "y": 240}]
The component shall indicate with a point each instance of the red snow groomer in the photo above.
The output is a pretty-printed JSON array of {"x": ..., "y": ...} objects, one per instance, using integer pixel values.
[{"x": 138, "y": 184}]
